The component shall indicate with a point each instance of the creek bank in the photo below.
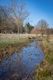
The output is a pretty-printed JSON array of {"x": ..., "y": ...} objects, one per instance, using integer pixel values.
[
  {"x": 10, "y": 48},
  {"x": 45, "y": 69},
  {"x": 21, "y": 65}
]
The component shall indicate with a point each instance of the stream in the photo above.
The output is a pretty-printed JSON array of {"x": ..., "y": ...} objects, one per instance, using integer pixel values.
[{"x": 21, "y": 64}]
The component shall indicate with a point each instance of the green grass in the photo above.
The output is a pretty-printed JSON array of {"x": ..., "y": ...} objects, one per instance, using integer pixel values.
[{"x": 7, "y": 42}]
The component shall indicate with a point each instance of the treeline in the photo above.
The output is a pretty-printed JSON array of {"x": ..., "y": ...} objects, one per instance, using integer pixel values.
[
  {"x": 12, "y": 18},
  {"x": 42, "y": 27},
  {"x": 11, "y": 24}
]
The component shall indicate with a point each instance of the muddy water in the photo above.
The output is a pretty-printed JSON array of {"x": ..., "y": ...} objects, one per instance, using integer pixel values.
[{"x": 20, "y": 65}]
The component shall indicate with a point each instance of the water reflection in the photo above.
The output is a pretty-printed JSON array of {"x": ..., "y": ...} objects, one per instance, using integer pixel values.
[{"x": 19, "y": 65}]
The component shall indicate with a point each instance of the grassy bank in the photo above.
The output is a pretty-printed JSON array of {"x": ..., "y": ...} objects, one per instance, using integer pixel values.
[
  {"x": 11, "y": 43},
  {"x": 45, "y": 69}
]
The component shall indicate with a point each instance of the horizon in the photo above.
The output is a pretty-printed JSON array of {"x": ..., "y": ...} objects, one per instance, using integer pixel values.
[{"x": 38, "y": 9}]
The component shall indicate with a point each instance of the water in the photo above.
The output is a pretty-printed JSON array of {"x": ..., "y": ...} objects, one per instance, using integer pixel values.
[{"x": 19, "y": 65}]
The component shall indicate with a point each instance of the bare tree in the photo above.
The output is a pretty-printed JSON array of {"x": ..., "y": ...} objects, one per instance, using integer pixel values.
[
  {"x": 19, "y": 13},
  {"x": 7, "y": 24},
  {"x": 42, "y": 25},
  {"x": 3, "y": 18}
]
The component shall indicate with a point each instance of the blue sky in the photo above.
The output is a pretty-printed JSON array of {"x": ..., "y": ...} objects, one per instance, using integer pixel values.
[{"x": 38, "y": 9}]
